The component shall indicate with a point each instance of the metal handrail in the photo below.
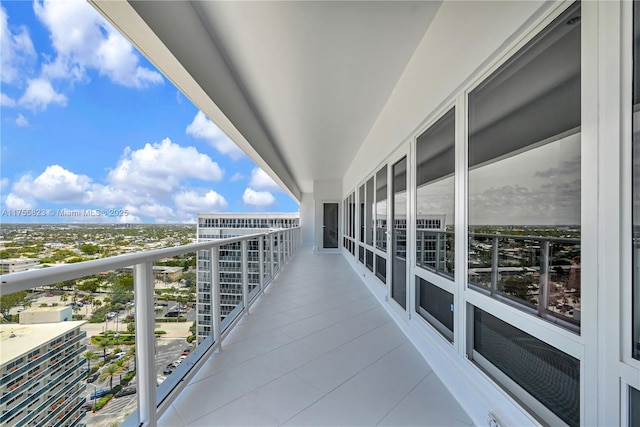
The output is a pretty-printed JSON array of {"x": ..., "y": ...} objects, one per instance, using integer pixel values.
[
  {"x": 279, "y": 243},
  {"x": 24, "y": 280}
]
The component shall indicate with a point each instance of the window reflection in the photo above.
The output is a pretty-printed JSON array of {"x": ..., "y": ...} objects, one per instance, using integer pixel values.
[
  {"x": 381, "y": 209},
  {"x": 524, "y": 177},
  {"x": 435, "y": 167},
  {"x": 369, "y": 212}
]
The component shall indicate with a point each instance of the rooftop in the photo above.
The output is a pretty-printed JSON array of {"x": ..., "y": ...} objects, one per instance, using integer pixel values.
[{"x": 29, "y": 337}]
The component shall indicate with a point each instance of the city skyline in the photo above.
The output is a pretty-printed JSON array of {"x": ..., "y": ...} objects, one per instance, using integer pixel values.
[{"x": 89, "y": 124}]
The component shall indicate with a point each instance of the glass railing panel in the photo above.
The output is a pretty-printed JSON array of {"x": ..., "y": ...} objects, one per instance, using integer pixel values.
[
  {"x": 540, "y": 275},
  {"x": 435, "y": 251},
  {"x": 179, "y": 283},
  {"x": 88, "y": 367}
]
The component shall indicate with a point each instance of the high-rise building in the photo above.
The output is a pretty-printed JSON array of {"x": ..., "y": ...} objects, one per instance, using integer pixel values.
[
  {"x": 41, "y": 382},
  {"x": 212, "y": 226}
]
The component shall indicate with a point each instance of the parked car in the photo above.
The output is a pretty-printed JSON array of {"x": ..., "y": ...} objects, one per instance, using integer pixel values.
[
  {"x": 168, "y": 370},
  {"x": 118, "y": 356},
  {"x": 126, "y": 391},
  {"x": 93, "y": 377},
  {"x": 99, "y": 393}
]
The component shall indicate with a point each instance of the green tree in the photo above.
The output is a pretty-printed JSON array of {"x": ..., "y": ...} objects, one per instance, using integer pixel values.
[
  {"x": 90, "y": 356},
  {"x": 109, "y": 372},
  {"x": 89, "y": 249},
  {"x": 104, "y": 344},
  {"x": 131, "y": 354},
  {"x": 11, "y": 300}
]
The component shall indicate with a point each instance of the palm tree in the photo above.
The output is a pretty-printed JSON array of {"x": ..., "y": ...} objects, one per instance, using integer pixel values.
[
  {"x": 123, "y": 364},
  {"x": 109, "y": 372},
  {"x": 131, "y": 354},
  {"x": 104, "y": 344},
  {"x": 90, "y": 356}
]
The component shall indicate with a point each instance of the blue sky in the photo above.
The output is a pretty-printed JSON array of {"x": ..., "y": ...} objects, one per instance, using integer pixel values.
[{"x": 88, "y": 123}]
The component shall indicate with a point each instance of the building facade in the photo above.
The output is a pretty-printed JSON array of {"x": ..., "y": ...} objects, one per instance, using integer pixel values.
[
  {"x": 15, "y": 265},
  {"x": 213, "y": 226},
  {"x": 41, "y": 382}
]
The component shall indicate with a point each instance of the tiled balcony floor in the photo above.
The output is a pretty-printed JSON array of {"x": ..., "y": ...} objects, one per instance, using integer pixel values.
[{"x": 317, "y": 349}]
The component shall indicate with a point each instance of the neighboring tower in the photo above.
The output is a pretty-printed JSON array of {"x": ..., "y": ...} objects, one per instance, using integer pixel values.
[
  {"x": 41, "y": 382},
  {"x": 212, "y": 226}
]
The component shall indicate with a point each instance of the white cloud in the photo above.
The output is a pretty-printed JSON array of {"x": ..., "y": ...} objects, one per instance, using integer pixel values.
[
  {"x": 258, "y": 199},
  {"x": 4, "y": 183},
  {"x": 22, "y": 121},
  {"x": 261, "y": 181},
  {"x": 40, "y": 94},
  {"x": 152, "y": 210},
  {"x": 55, "y": 184},
  {"x": 192, "y": 202},
  {"x": 16, "y": 202},
  {"x": 158, "y": 168},
  {"x": 110, "y": 196},
  {"x": 6, "y": 101},
  {"x": 83, "y": 39},
  {"x": 17, "y": 50},
  {"x": 236, "y": 177},
  {"x": 203, "y": 128}
]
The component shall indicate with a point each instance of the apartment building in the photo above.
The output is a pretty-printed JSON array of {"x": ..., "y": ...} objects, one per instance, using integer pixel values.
[
  {"x": 41, "y": 382},
  {"x": 213, "y": 226},
  {"x": 14, "y": 265}
]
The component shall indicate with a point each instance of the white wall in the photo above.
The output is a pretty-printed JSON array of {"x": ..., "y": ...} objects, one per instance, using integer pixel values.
[
  {"x": 323, "y": 191},
  {"x": 463, "y": 37},
  {"x": 307, "y": 218}
]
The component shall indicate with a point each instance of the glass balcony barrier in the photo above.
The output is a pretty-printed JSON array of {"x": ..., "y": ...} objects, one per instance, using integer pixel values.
[
  {"x": 129, "y": 331},
  {"x": 539, "y": 275},
  {"x": 435, "y": 251}
]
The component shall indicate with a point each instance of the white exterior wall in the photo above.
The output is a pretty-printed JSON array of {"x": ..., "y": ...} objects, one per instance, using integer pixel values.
[
  {"x": 465, "y": 51},
  {"x": 460, "y": 50}
]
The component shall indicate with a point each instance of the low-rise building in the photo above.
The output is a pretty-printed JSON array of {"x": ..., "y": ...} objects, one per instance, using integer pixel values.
[{"x": 15, "y": 265}]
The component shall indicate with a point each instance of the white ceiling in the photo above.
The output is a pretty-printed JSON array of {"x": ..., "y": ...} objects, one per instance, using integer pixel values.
[{"x": 302, "y": 82}]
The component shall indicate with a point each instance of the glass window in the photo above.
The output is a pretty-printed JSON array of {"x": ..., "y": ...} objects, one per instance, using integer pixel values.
[
  {"x": 351, "y": 203},
  {"x": 381, "y": 268},
  {"x": 369, "y": 212},
  {"x": 544, "y": 372},
  {"x": 435, "y": 305},
  {"x": 636, "y": 182},
  {"x": 524, "y": 177},
  {"x": 381, "y": 209},
  {"x": 361, "y": 212},
  {"x": 634, "y": 407},
  {"x": 435, "y": 168}
]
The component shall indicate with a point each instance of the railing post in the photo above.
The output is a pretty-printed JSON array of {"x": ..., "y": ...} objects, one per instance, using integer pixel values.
[
  {"x": 145, "y": 344},
  {"x": 271, "y": 256},
  {"x": 494, "y": 266},
  {"x": 214, "y": 273},
  {"x": 543, "y": 289},
  {"x": 287, "y": 237},
  {"x": 280, "y": 248},
  {"x": 261, "y": 262},
  {"x": 245, "y": 276},
  {"x": 438, "y": 251}
]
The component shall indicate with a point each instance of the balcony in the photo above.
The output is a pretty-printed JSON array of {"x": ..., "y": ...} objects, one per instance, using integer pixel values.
[
  {"x": 308, "y": 346},
  {"x": 316, "y": 349}
]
